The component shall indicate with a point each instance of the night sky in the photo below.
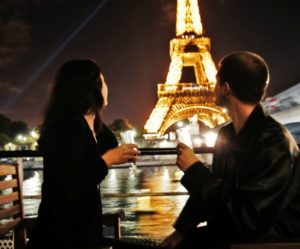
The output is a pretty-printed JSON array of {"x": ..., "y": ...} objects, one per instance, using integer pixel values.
[{"x": 129, "y": 39}]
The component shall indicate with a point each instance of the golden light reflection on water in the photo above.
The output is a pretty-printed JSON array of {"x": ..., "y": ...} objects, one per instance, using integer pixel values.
[
  {"x": 162, "y": 210},
  {"x": 155, "y": 218},
  {"x": 159, "y": 224}
]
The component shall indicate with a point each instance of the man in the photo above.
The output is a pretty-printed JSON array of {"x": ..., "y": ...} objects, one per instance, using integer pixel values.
[{"x": 251, "y": 193}]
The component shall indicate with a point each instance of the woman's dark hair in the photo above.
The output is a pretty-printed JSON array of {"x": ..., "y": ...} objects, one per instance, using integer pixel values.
[
  {"x": 76, "y": 91},
  {"x": 247, "y": 75}
]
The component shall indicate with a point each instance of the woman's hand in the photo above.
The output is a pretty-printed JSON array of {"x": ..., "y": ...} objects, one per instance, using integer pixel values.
[
  {"x": 121, "y": 154},
  {"x": 186, "y": 157},
  {"x": 172, "y": 240}
]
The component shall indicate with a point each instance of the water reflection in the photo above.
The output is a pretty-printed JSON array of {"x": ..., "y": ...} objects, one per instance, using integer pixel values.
[
  {"x": 126, "y": 186},
  {"x": 32, "y": 186},
  {"x": 155, "y": 220}
]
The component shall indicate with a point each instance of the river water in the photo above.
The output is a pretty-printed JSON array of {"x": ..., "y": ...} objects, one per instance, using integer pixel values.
[
  {"x": 151, "y": 214},
  {"x": 151, "y": 197}
]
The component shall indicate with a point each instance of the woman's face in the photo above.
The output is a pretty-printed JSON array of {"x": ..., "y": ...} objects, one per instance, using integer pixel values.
[{"x": 104, "y": 91}]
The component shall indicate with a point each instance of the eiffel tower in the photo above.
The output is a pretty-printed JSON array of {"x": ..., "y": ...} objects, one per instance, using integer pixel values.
[{"x": 189, "y": 52}]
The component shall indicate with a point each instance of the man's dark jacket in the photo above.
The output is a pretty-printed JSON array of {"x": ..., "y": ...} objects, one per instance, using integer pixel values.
[{"x": 252, "y": 191}]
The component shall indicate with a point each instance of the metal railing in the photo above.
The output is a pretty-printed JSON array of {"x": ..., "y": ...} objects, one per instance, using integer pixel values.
[
  {"x": 20, "y": 154},
  {"x": 144, "y": 152}
]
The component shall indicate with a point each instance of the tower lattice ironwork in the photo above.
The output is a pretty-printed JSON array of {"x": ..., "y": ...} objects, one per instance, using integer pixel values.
[{"x": 189, "y": 52}]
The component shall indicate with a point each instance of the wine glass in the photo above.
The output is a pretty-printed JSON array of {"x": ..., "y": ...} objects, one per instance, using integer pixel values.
[
  {"x": 128, "y": 138},
  {"x": 183, "y": 136}
]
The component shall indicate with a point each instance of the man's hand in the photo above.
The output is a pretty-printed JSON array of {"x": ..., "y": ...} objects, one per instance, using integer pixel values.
[{"x": 186, "y": 157}]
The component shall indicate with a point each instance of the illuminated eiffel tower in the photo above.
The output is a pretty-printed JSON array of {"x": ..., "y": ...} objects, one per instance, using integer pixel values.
[{"x": 189, "y": 52}]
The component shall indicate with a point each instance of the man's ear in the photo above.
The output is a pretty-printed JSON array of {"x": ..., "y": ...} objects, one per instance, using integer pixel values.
[{"x": 226, "y": 89}]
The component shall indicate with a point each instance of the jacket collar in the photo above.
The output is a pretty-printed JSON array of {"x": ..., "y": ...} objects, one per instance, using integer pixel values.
[{"x": 252, "y": 126}]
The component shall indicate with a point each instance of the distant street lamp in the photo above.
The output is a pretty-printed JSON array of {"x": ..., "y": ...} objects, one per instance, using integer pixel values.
[
  {"x": 21, "y": 138},
  {"x": 34, "y": 134}
]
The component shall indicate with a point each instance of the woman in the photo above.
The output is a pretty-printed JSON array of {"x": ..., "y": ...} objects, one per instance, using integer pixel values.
[{"x": 78, "y": 150}]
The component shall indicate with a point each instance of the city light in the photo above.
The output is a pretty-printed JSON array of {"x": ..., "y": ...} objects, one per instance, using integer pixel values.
[
  {"x": 180, "y": 124},
  {"x": 25, "y": 141},
  {"x": 21, "y": 138},
  {"x": 10, "y": 146},
  {"x": 210, "y": 139},
  {"x": 34, "y": 134}
]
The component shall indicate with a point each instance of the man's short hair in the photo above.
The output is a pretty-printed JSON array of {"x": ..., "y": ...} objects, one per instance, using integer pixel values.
[{"x": 247, "y": 75}]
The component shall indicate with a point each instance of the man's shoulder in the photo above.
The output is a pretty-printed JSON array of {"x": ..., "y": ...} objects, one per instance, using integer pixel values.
[
  {"x": 273, "y": 127},
  {"x": 273, "y": 132}
]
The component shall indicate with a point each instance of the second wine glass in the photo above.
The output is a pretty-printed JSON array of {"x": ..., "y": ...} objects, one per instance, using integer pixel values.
[
  {"x": 128, "y": 138},
  {"x": 183, "y": 136}
]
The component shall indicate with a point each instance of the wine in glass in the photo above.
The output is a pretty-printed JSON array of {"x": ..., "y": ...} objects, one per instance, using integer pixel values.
[{"x": 128, "y": 138}]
